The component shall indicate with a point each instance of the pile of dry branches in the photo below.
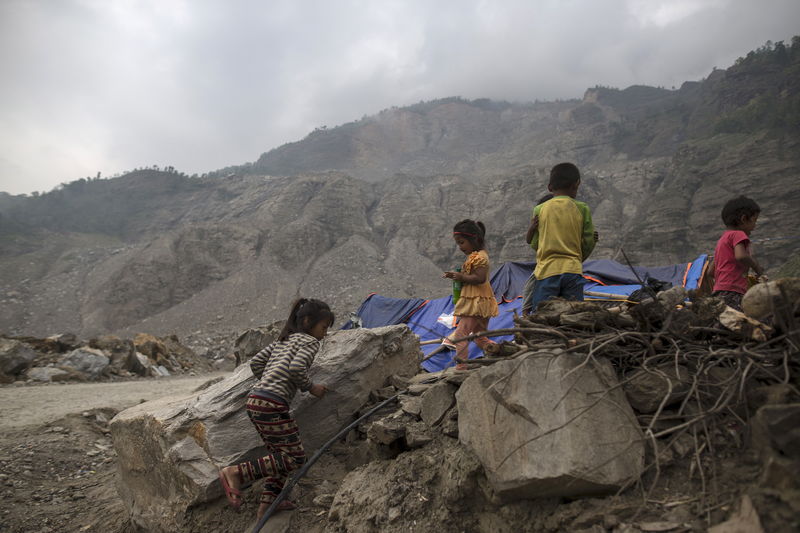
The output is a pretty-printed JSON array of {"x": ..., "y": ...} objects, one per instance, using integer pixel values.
[{"x": 705, "y": 381}]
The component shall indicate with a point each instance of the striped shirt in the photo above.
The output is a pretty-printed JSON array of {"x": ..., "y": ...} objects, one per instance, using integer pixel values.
[{"x": 282, "y": 367}]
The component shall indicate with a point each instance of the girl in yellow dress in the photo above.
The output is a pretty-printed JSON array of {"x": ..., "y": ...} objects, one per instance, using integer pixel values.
[{"x": 477, "y": 303}]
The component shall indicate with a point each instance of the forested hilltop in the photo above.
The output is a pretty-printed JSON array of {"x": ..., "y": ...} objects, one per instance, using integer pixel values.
[{"x": 367, "y": 206}]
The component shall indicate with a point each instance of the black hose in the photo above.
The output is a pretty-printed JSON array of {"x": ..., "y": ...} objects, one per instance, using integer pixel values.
[{"x": 287, "y": 488}]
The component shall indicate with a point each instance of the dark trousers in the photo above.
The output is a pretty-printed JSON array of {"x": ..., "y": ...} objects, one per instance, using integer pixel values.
[
  {"x": 567, "y": 286},
  {"x": 731, "y": 299}
]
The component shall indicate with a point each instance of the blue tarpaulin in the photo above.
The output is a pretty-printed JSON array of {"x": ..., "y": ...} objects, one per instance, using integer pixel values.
[
  {"x": 377, "y": 311},
  {"x": 432, "y": 319}
]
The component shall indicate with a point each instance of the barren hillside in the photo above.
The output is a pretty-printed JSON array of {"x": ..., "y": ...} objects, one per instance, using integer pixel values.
[{"x": 368, "y": 206}]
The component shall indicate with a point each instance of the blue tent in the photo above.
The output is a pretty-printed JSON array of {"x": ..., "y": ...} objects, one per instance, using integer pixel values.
[{"x": 606, "y": 280}]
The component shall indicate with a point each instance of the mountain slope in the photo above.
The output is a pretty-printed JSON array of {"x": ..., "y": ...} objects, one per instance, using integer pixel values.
[{"x": 369, "y": 206}]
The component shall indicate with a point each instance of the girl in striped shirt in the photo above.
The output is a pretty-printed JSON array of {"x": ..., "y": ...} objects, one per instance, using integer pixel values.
[{"x": 281, "y": 368}]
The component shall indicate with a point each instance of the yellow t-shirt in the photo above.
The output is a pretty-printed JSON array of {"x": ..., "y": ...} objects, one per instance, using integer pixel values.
[
  {"x": 565, "y": 237},
  {"x": 476, "y": 300}
]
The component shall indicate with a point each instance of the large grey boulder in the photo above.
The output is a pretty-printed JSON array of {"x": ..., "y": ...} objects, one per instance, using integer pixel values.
[
  {"x": 169, "y": 450},
  {"x": 542, "y": 426},
  {"x": 15, "y": 357},
  {"x": 90, "y": 361}
]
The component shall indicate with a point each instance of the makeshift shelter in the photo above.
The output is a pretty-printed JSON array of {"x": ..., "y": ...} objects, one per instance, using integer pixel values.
[{"x": 606, "y": 280}]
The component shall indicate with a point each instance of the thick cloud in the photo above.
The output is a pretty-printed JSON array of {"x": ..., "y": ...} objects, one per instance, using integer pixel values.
[{"x": 99, "y": 85}]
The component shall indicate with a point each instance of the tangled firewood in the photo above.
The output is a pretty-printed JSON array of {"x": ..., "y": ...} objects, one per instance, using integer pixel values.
[{"x": 695, "y": 373}]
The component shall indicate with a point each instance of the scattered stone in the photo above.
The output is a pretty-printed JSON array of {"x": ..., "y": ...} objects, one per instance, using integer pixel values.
[
  {"x": 15, "y": 357},
  {"x": 388, "y": 429},
  {"x": 384, "y": 393},
  {"x": 254, "y": 340},
  {"x": 424, "y": 378},
  {"x": 761, "y": 301},
  {"x": 672, "y": 297},
  {"x": 66, "y": 341},
  {"x": 450, "y": 425},
  {"x": 744, "y": 520},
  {"x": 683, "y": 445},
  {"x": 150, "y": 346},
  {"x": 399, "y": 382},
  {"x": 418, "y": 388},
  {"x": 411, "y": 405},
  {"x": 140, "y": 364},
  {"x": 610, "y": 521},
  {"x": 436, "y": 401},
  {"x": 89, "y": 361},
  {"x": 647, "y": 388},
  {"x": 120, "y": 350},
  {"x": 747, "y": 327},
  {"x": 323, "y": 500},
  {"x": 455, "y": 377},
  {"x": 418, "y": 435},
  {"x": 46, "y": 374},
  {"x": 182, "y": 357}
]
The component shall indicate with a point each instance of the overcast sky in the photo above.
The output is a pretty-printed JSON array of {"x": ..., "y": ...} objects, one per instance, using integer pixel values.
[{"x": 106, "y": 86}]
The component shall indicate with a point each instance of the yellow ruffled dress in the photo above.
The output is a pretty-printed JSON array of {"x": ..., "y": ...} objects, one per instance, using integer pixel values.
[{"x": 476, "y": 300}]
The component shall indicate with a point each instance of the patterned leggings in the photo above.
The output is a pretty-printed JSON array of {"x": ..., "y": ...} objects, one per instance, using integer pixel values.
[
  {"x": 731, "y": 299},
  {"x": 281, "y": 437}
]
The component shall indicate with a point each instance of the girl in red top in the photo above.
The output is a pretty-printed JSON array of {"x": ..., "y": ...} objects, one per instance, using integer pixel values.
[{"x": 732, "y": 258}]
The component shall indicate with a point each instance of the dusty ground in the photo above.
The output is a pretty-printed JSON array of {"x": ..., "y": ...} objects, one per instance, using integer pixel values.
[
  {"x": 33, "y": 405},
  {"x": 57, "y": 470},
  {"x": 57, "y": 473},
  {"x": 56, "y": 460}
]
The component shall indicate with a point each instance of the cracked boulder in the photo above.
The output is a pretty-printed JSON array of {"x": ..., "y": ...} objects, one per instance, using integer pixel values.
[
  {"x": 169, "y": 450},
  {"x": 549, "y": 425}
]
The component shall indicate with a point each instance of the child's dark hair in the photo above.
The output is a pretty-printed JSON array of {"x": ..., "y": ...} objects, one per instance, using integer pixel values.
[
  {"x": 563, "y": 176},
  {"x": 305, "y": 314},
  {"x": 472, "y": 230},
  {"x": 737, "y": 208}
]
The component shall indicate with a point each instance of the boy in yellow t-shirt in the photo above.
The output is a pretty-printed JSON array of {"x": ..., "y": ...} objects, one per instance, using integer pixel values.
[{"x": 564, "y": 238}]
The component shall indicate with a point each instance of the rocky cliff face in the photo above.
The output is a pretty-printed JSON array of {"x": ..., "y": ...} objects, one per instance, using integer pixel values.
[{"x": 369, "y": 206}]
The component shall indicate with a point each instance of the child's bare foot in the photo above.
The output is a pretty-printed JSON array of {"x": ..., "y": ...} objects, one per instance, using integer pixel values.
[{"x": 229, "y": 477}]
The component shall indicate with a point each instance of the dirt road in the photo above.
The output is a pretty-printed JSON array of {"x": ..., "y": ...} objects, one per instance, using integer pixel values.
[{"x": 39, "y": 405}]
